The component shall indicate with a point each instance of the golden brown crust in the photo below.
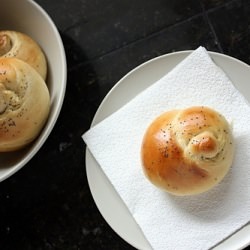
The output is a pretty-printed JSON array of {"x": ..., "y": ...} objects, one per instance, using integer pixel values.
[
  {"x": 23, "y": 47},
  {"x": 24, "y": 104},
  {"x": 187, "y": 151}
]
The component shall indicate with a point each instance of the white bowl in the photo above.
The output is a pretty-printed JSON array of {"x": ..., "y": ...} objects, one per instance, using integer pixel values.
[{"x": 28, "y": 17}]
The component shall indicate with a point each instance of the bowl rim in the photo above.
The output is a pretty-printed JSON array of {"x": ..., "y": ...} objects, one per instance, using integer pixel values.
[{"x": 53, "y": 119}]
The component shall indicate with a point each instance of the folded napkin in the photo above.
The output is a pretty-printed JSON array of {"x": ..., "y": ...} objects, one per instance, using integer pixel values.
[{"x": 167, "y": 221}]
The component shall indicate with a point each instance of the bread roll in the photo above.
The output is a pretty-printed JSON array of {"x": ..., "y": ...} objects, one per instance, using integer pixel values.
[
  {"x": 24, "y": 104},
  {"x": 21, "y": 46},
  {"x": 188, "y": 151}
]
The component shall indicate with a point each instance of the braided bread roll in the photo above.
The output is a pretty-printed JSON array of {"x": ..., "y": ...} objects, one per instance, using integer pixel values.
[
  {"x": 24, "y": 104},
  {"x": 188, "y": 151},
  {"x": 21, "y": 46}
]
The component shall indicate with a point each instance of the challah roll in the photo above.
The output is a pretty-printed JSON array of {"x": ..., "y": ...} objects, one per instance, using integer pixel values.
[
  {"x": 21, "y": 46},
  {"x": 24, "y": 104},
  {"x": 187, "y": 151}
]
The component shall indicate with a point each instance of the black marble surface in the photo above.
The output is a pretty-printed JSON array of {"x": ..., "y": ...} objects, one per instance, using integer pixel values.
[{"x": 47, "y": 204}]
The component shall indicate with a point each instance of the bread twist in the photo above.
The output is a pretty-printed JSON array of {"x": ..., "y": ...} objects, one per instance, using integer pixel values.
[
  {"x": 24, "y": 104},
  {"x": 187, "y": 151},
  {"x": 21, "y": 46}
]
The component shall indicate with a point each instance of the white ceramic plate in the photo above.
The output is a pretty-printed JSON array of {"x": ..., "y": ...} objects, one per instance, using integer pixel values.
[{"x": 107, "y": 200}]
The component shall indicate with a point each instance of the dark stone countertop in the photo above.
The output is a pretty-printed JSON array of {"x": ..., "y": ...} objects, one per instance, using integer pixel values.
[{"x": 48, "y": 204}]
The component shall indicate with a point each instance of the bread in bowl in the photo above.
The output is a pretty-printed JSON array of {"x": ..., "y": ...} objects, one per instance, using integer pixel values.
[
  {"x": 24, "y": 104},
  {"x": 21, "y": 46},
  {"x": 187, "y": 151}
]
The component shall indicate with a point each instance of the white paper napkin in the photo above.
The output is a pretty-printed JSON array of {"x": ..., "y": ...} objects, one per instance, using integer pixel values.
[{"x": 167, "y": 221}]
